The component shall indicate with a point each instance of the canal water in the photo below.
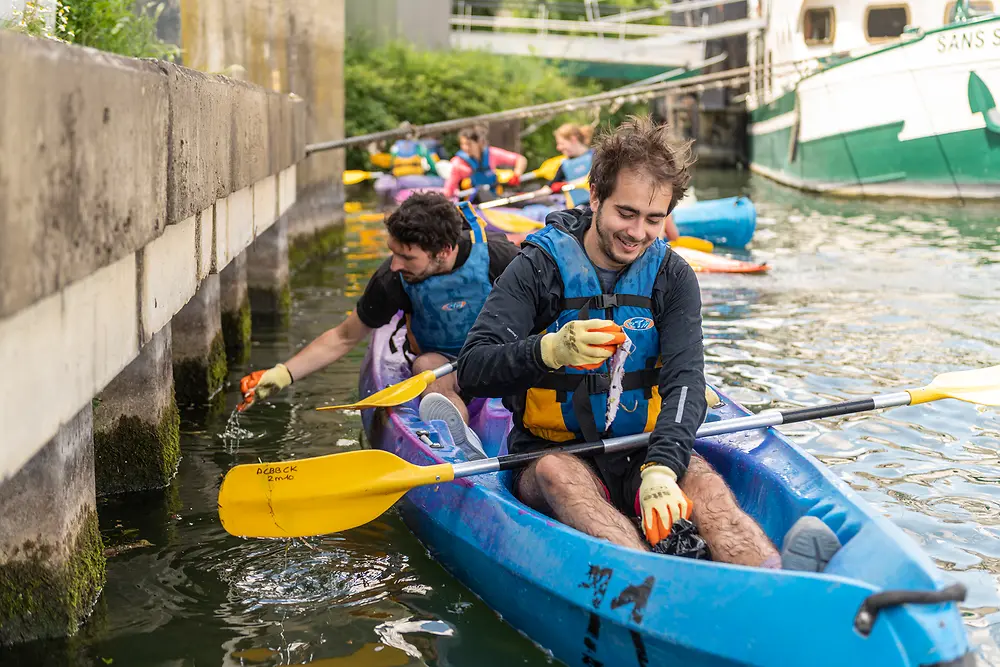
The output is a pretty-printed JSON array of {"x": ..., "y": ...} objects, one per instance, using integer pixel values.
[{"x": 862, "y": 298}]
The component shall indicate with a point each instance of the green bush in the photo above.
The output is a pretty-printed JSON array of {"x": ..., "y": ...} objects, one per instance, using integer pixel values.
[
  {"x": 386, "y": 85},
  {"x": 115, "y": 26},
  {"x": 109, "y": 25}
]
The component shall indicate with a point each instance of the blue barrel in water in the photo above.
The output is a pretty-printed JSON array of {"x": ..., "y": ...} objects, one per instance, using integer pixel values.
[{"x": 727, "y": 222}]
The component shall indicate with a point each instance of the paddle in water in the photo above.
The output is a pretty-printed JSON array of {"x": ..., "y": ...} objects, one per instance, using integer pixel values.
[{"x": 328, "y": 494}]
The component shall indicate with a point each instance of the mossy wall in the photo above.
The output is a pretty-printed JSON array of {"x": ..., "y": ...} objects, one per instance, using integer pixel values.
[
  {"x": 198, "y": 380},
  {"x": 40, "y": 598},
  {"x": 137, "y": 454}
]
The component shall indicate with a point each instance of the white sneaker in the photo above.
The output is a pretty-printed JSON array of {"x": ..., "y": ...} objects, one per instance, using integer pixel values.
[{"x": 437, "y": 406}]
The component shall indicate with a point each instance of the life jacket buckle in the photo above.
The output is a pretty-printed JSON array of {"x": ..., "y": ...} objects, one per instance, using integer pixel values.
[{"x": 604, "y": 301}]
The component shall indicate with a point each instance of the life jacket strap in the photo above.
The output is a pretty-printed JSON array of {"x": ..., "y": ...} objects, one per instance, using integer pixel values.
[
  {"x": 605, "y": 302},
  {"x": 597, "y": 383}
]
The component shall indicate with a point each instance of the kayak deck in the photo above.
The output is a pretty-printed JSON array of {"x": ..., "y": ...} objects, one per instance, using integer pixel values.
[{"x": 591, "y": 602}]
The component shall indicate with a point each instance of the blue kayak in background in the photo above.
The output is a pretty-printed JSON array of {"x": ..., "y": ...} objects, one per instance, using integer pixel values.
[
  {"x": 591, "y": 602},
  {"x": 728, "y": 222}
]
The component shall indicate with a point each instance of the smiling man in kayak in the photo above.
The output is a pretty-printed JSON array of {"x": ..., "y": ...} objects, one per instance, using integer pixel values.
[
  {"x": 545, "y": 340},
  {"x": 440, "y": 272}
]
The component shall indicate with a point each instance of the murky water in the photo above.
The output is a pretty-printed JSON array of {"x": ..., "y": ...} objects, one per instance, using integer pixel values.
[{"x": 862, "y": 298}]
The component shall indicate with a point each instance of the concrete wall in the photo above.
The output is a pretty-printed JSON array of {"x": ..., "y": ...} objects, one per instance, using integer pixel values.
[
  {"x": 424, "y": 23},
  {"x": 290, "y": 46},
  {"x": 124, "y": 184}
]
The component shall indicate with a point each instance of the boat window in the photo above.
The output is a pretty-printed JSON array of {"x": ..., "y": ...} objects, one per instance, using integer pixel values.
[
  {"x": 818, "y": 25},
  {"x": 976, "y": 8},
  {"x": 883, "y": 22}
]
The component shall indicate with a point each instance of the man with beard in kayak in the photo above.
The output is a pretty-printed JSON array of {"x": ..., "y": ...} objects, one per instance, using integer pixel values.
[
  {"x": 545, "y": 340},
  {"x": 442, "y": 267}
]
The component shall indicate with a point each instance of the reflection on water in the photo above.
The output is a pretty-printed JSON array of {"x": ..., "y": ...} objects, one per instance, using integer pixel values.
[{"x": 862, "y": 298}]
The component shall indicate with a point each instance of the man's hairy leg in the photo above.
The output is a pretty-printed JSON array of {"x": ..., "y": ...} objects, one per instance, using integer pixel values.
[
  {"x": 731, "y": 534},
  {"x": 566, "y": 488}
]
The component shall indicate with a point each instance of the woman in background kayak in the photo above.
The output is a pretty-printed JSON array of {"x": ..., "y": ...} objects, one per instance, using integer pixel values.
[
  {"x": 478, "y": 162},
  {"x": 573, "y": 141}
]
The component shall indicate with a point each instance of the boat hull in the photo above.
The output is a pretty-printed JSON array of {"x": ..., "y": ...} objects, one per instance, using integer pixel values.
[
  {"x": 904, "y": 121},
  {"x": 590, "y": 602}
]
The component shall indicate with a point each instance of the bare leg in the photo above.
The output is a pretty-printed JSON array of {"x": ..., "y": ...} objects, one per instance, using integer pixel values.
[
  {"x": 446, "y": 386},
  {"x": 563, "y": 485},
  {"x": 731, "y": 534}
]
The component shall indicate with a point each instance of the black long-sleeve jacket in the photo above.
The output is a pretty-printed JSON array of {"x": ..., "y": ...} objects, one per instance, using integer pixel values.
[{"x": 502, "y": 354}]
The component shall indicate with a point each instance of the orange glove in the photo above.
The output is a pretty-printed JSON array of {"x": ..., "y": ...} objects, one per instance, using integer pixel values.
[
  {"x": 557, "y": 186},
  {"x": 611, "y": 346},
  {"x": 661, "y": 501},
  {"x": 261, "y": 384}
]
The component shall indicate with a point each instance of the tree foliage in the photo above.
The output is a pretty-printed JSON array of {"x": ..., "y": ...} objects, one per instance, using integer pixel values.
[
  {"x": 118, "y": 26},
  {"x": 385, "y": 86}
]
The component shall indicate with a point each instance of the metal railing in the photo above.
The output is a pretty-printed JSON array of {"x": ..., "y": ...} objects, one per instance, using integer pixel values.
[{"x": 732, "y": 77}]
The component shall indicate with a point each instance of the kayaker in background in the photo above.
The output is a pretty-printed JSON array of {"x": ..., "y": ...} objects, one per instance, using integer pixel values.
[
  {"x": 413, "y": 157},
  {"x": 543, "y": 340},
  {"x": 478, "y": 162},
  {"x": 442, "y": 267},
  {"x": 573, "y": 141}
]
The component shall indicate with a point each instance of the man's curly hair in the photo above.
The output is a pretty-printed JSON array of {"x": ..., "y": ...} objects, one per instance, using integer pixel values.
[
  {"x": 641, "y": 144},
  {"x": 427, "y": 220}
]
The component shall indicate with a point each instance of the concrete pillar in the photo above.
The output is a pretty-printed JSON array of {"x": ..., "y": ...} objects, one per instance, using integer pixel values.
[
  {"x": 51, "y": 557},
  {"x": 267, "y": 273},
  {"x": 235, "y": 304},
  {"x": 136, "y": 423},
  {"x": 506, "y": 134},
  {"x": 198, "y": 349}
]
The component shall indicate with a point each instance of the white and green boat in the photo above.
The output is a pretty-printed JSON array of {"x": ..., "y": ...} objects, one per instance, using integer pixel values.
[{"x": 877, "y": 99}]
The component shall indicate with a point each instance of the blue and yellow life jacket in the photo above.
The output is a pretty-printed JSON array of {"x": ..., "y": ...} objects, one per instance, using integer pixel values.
[
  {"x": 481, "y": 172},
  {"x": 569, "y": 403},
  {"x": 446, "y": 306},
  {"x": 572, "y": 169},
  {"x": 408, "y": 158}
]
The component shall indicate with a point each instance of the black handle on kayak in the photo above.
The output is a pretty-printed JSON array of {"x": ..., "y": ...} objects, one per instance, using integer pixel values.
[
  {"x": 864, "y": 621},
  {"x": 630, "y": 442}
]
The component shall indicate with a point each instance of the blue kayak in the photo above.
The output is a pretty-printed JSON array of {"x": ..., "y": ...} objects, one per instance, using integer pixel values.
[
  {"x": 594, "y": 603},
  {"x": 728, "y": 222}
]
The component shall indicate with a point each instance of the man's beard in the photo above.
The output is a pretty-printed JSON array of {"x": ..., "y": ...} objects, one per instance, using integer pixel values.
[
  {"x": 432, "y": 270},
  {"x": 606, "y": 242}
]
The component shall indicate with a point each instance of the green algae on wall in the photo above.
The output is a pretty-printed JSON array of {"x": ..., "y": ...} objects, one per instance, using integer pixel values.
[
  {"x": 236, "y": 332},
  {"x": 135, "y": 454},
  {"x": 198, "y": 380},
  {"x": 40, "y": 599}
]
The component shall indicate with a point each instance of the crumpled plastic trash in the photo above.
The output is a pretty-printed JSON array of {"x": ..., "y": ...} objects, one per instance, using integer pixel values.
[{"x": 684, "y": 541}]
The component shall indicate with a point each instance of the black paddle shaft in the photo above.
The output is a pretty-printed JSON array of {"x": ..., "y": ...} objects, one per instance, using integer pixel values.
[{"x": 626, "y": 443}]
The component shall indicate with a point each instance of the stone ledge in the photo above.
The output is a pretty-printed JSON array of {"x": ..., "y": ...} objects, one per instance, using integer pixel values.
[
  {"x": 112, "y": 150},
  {"x": 83, "y": 177}
]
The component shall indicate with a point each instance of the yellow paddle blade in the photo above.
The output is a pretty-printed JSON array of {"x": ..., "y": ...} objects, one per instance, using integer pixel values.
[
  {"x": 511, "y": 223},
  {"x": 381, "y": 160},
  {"x": 320, "y": 495},
  {"x": 396, "y": 394},
  {"x": 980, "y": 385},
  {"x": 692, "y": 243},
  {"x": 548, "y": 169},
  {"x": 353, "y": 206},
  {"x": 354, "y": 176}
]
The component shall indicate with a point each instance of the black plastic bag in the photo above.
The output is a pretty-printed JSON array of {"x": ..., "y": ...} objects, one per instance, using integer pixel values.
[{"x": 684, "y": 541}]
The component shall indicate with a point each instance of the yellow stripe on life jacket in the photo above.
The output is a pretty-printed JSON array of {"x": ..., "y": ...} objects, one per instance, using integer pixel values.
[
  {"x": 543, "y": 416},
  {"x": 408, "y": 166}
]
